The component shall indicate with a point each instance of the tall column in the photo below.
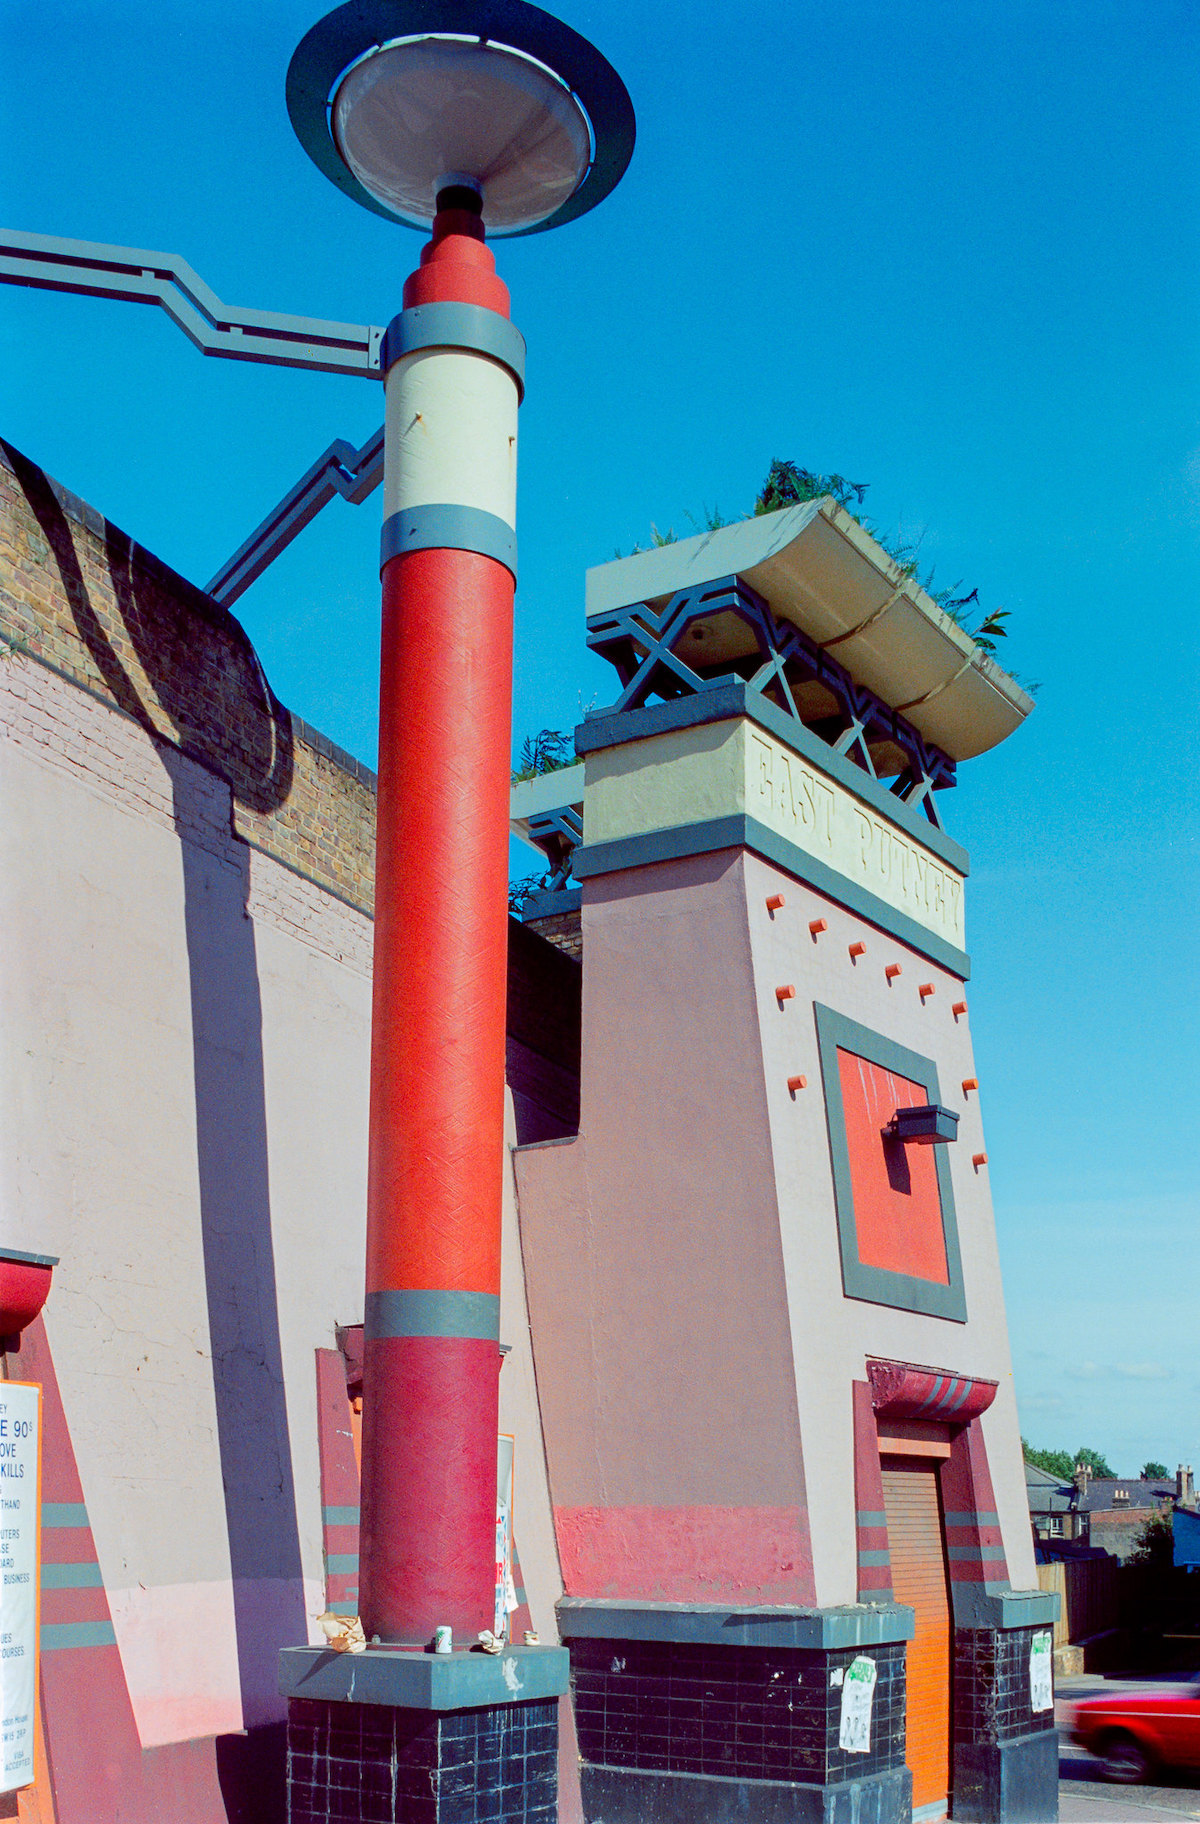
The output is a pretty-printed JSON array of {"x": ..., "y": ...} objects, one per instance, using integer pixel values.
[{"x": 454, "y": 372}]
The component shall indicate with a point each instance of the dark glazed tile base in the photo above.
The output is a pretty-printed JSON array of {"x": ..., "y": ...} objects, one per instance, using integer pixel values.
[
  {"x": 373, "y": 1764},
  {"x": 992, "y": 1698},
  {"x": 741, "y": 1714},
  {"x": 616, "y": 1795},
  {"x": 1009, "y": 1782}
]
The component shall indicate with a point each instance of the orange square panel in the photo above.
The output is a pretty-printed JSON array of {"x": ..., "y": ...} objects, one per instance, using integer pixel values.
[
  {"x": 897, "y": 1201},
  {"x": 897, "y": 1227}
]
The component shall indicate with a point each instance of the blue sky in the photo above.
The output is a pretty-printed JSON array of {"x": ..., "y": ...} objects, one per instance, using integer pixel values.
[{"x": 951, "y": 250}]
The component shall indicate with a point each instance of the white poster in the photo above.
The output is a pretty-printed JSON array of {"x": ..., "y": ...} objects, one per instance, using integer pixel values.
[
  {"x": 19, "y": 1518},
  {"x": 858, "y": 1691},
  {"x": 1041, "y": 1681}
]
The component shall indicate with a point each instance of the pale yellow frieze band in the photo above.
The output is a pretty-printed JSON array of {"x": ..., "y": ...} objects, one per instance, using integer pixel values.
[{"x": 734, "y": 768}]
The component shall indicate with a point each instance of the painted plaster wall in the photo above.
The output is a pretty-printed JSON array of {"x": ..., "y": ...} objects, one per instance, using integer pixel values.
[
  {"x": 653, "y": 1241},
  {"x": 654, "y": 1270},
  {"x": 183, "y": 1102},
  {"x": 830, "y": 1334},
  {"x": 164, "y": 1055}
]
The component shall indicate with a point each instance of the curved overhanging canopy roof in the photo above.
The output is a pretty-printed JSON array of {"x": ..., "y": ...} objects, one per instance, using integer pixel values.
[{"x": 816, "y": 567}]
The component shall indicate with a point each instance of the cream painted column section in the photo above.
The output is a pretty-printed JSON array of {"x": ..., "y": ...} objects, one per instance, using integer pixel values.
[{"x": 451, "y": 436}]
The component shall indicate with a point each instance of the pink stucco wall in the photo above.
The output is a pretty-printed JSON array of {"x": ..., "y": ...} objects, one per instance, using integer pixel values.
[
  {"x": 654, "y": 1267},
  {"x": 696, "y": 1351}
]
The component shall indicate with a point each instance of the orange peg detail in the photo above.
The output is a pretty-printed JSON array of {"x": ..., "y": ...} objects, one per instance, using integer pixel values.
[
  {"x": 926, "y": 989},
  {"x": 775, "y": 901},
  {"x": 892, "y": 971},
  {"x": 858, "y": 949},
  {"x": 817, "y": 925},
  {"x": 786, "y": 993},
  {"x": 795, "y": 1083},
  {"x": 970, "y": 1083},
  {"x": 958, "y": 1009},
  {"x": 978, "y": 1159}
]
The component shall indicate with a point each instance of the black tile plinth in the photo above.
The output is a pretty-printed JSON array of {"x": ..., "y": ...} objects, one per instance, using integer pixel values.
[
  {"x": 374, "y": 1764},
  {"x": 1014, "y": 1782},
  {"x": 621, "y": 1796},
  {"x": 1005, "y": 1751},
  {"x": 992, "y": 1698},
  {"x": 733, "y": 1713}
]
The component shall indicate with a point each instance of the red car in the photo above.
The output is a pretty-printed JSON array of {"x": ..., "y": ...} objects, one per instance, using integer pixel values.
[{"x": 1132, "y": 1732}]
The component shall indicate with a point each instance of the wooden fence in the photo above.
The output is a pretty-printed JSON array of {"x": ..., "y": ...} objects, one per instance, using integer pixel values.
[{"x": 1088, "y": 1592}]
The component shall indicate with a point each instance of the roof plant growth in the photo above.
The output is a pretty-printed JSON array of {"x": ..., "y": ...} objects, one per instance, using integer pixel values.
[{"x": 788, "y": 485}]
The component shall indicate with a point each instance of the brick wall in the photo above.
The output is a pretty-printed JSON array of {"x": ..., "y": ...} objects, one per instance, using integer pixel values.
[
  {"x": 79, "y": 597},
  {"x": 562, "y": 929}
]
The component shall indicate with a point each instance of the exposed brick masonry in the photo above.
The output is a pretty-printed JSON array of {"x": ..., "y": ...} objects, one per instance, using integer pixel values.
[
  {"x": 562, "y": 929},
  {"x": 81, "y": 598}
]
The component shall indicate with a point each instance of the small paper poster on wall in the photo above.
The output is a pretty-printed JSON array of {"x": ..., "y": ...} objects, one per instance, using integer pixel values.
[
  {"x": 858, "y": 1691},
  {"x": 1041, "y": 1681},
  {"x": 19, "y": 1518}
]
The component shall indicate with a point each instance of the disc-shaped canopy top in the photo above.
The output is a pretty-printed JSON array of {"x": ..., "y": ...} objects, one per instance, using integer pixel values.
[{"x": 395, "y": 100}]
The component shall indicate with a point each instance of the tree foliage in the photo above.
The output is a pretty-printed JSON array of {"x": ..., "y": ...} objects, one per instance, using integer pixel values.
[
  {"x": 1155, "y": 1544},
  {"x": 1154, "y": 1472},
  {"x": 1062, "y": 1463},
  {"x": 546, "y": 752}
]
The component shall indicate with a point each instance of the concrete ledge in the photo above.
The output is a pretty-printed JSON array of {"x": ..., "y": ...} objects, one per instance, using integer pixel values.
[
  {"x": 424, "y": 1681},
  {"x": 975, "y": 1606},
  {"x": 549, "y": 905},
  {"x": 621, "y": 1795},
  {"x": 717, "y": 1624}
]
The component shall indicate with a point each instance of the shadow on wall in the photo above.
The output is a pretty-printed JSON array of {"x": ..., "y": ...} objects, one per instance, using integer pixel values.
[
  {"x": 203, "y": 672},
  {"x": 228, "y": 721}
]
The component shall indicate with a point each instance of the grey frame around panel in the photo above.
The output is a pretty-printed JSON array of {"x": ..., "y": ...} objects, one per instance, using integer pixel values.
[{"x": 876, "y": 1285}]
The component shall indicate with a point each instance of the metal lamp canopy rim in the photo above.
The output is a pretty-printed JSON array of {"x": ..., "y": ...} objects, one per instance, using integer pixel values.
[{"x": 352, "y": 31}]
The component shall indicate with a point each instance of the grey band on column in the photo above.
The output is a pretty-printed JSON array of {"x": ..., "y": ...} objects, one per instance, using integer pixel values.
[
  {"x": 437, "y": 527},
  {"x": 470, "y": 326},
  {"x": 469, "y": 1314}
]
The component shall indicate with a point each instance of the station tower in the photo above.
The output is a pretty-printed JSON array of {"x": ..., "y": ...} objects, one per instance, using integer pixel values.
[{"x": 763, "y": 1280}]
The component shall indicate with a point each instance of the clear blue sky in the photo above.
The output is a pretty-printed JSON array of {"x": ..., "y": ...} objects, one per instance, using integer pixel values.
[{"x": 952, "y": 250}]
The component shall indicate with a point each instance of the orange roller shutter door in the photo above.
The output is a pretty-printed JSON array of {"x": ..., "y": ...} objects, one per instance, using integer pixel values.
[{"x": 919, "y": 1578}]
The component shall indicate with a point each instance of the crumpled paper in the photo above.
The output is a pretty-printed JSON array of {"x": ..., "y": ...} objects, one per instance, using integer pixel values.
[{"x": 344, "y": 1633}]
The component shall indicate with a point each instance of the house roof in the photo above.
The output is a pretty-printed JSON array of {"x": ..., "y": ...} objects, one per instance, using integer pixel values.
[{"x": 1098, "y": 1495}]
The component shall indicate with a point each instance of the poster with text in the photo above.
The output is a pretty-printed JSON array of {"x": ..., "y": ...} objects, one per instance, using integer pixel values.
[
  {"x": 1041, "y": 1681},
  {"x": 858, "y": 1691},
  {"x": 20, "y": 1431}
]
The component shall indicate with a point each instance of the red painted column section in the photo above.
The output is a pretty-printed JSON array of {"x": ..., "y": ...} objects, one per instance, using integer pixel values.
[{"x": 430, "y": 1406}]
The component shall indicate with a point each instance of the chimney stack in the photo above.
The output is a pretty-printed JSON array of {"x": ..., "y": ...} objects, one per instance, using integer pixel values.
[
  {"x": 1083, "y": 1475},
  {"x": 1185, "y": 1488}
]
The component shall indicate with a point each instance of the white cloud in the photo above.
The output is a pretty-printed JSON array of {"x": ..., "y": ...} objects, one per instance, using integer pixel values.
[{"x": 1143, "y": 1371}]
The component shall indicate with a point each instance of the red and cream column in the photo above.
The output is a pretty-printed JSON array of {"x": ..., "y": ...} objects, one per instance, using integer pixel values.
[{"x": 454, "y": 368}]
